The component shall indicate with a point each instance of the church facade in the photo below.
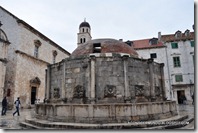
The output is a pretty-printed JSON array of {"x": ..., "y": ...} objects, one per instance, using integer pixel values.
[{"x": 29, "y": 54}]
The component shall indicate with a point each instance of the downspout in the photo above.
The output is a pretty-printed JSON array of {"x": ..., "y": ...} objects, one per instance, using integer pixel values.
[{"x": 168, "y": 73}]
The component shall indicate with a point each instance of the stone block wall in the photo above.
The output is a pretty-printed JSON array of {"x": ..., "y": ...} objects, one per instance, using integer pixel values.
[
  {"x": 22, "y": 39},
  {"x": 109, "y": 75},
  {"x": 139, "y": 84},
  {"x": 106, "y": 79},
  {"x": 27, "y": 70},
  {"x": 106, "y": 113}
]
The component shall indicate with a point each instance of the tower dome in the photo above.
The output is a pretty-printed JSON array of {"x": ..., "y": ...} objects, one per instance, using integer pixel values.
[
  {"x": 84, "y": 34},
  {"x": 84, "y": 24}
]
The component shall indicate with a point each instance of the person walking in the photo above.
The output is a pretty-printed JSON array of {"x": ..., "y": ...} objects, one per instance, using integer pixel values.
[
  {"x": 17, "y": 104},
  {"x": 4, "y": 106}
]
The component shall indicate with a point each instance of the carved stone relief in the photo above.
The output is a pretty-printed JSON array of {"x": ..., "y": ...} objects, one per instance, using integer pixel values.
[
  {"x": 139, "y": 90},
  {"x": 56, "y": 93},
  {"x": 35, "y": 80},
  {"x": 157, "y": 90},
  {"x": 110, "y": 91},
  {"x": 79, "y": 92}
]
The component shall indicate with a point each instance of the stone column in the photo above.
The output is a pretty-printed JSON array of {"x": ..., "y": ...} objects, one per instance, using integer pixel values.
[
  {"x": 92, "y": 80},
  {"x": 63, "y": 95},
  {"x": 48, "y": 82},
  {"x": 126, "y": 80},
  {"x": 151, "y": 76},
  {"x": 164, "y": 96}
]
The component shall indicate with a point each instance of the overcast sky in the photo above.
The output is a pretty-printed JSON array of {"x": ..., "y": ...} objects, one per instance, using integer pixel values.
[{"x": 119, "y": 19}]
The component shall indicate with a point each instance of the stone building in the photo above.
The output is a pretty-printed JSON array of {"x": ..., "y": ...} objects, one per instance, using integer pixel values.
[
  {"x": 176, "y": 51},
  {"x": 29, "y": 54},
  {"x": 4, "y": 44},
  {"x": 181, "y": 62},
  {"x": 104, "y": 81}
]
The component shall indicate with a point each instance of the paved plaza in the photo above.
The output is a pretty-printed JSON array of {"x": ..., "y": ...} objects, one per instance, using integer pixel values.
[{"x": 12, "y": 122}]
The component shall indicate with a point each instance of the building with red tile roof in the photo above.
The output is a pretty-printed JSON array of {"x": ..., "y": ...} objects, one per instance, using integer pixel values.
[{"x": 176, "y": 51}]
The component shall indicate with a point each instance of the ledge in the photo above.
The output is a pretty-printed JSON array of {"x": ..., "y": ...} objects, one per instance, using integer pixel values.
[{"x": 32, "y": 57}]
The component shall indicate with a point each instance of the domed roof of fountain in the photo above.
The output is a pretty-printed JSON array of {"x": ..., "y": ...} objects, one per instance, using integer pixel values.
[{"x": 104, "y": 46}]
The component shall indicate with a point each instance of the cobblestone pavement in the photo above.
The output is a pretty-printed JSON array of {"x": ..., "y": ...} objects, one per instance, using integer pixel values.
[
  {"x": 12, "y": 122},
  {"x": 9, "y": 121},
  {"x": 187, "y": 109}
]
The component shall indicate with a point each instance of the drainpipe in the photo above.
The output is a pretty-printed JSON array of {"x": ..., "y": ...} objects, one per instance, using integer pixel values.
[{"x": 168, "y": 73}]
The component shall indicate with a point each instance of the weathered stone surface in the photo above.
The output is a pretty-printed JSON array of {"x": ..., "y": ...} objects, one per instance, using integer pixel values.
[
  {"x": 23, "y": 65},
  {"x": 102, "y": 89},
  {"x": 105, "y": 113},
  {"x": 132, "y": 85}
]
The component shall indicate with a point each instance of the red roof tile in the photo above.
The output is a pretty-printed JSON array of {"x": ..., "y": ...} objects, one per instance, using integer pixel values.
[
  {"x": 171, "y": 37},
  {"x": 144, "y": 44}
]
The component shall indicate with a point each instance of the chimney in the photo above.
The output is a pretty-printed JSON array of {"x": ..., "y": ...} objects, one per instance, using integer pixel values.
[
  {"x": 159, "y": 36},
  {"x": 121, "y": 40}
]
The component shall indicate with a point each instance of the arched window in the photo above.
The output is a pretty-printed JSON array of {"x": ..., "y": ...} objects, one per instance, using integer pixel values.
[
  {"x": 81, "y": 40},
  {"x": 187, "y": 33},
  {"x": 178, "y": 34},
  {"x": 83, "y": 30},
  {"x": 84, "y": 40},
  {"x": 87, "y": 30}
]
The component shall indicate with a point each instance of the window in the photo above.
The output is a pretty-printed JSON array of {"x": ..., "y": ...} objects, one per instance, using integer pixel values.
[
  {"x": 84, "y": 40},
  {"x": 54, "y": 56},
  {"x": 192, "y": 43},
  {"x": 83, "y": 30},
  {"x": 8, "y": 92},
  {"x": 37, "y": 44},
  {"x": 153, "y": 55},
  {"x": 36, "y": 51},
  {"x": 178, "y": 78},
  {"x": 153, "y": 41},
  {"x": 87, "y": 30},
  {"x": 81, "y": 40},
  {"x": 96, "y": 48},
  {"x": 176, "y": 62},
  {"x": 174, "y": 45},
  {"x": 187, "y": 33},
  {"x": 178, "y": 34}
]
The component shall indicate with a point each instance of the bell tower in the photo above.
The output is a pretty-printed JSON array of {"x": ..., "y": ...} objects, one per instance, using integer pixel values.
[{"x": 84, "y": 34}]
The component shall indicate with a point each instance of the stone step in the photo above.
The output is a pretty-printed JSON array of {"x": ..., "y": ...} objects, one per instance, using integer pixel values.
[
  {"x": 26, "y": 125},
  {"x": 155, "y": 124},
  {"x": 173, "y": 124}
]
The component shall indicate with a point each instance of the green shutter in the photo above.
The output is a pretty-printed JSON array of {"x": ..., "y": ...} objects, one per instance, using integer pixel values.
[
  {"x": 174, "y": 45},
  {"x": 192, "y": 43},
  {"x": 178, "y": 78}
]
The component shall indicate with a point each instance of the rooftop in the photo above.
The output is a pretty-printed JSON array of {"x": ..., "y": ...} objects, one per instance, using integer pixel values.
[{"x": 104, "y": 46}]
